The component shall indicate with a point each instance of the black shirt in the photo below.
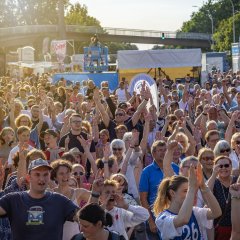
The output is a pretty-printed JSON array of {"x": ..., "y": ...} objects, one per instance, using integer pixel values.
[{"x": 73, "y": 142}]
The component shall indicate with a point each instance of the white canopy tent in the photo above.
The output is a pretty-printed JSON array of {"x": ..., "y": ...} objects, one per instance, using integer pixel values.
[{"x": 166, "y": 58}]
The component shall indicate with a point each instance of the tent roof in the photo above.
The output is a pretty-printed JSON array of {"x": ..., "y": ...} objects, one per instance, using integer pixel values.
[{"x": 166, "y": 58}]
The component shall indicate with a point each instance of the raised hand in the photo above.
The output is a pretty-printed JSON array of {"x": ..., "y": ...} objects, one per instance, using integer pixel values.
[
  {"x": 85, "y": 143},
  {"x": 192, "y": 180},
  {"x": 172, "y": 145},
  {"x": 67, "y": 140},
  {"x": 135, "y": 138},
  {"x": 97, "y": 185},
  {"x": 235, "y": 190},
  {"x": 96, "y": 94},
  {"x": 120, "y": 201},
  {"x": 235, "y": 115},
  {"x": 106, "y": 152},
  {"x": 216, "y": 169}
]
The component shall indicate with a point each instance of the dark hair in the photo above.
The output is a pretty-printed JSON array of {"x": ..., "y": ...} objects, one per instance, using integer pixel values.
[
  {"x": 93, "y": 213},
  {"x": 57, "y": 164},
  {"x": 100, "y": 164},
  {"x": 68, "y": 156}
]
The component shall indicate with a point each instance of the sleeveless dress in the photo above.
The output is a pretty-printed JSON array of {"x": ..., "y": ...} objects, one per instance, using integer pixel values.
[{"x": 70, "y": 229}]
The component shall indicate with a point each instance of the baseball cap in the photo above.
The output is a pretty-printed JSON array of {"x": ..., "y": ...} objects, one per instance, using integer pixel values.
[
  {"x": 38, "y": 163},
  {"x": 74, "y": 151},
  {"x": 48, "y": 131}
]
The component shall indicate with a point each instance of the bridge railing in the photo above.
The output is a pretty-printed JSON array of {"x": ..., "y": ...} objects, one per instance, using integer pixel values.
[
  {"x": 111, "y": 31},
  {"x": 28, "y": 29},
  {"x": 152, "y": 33}
]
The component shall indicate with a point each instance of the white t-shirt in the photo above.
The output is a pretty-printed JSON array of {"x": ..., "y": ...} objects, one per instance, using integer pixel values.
[
  {"x": 14, "y": 151},
  {"x": 121, "y": 95},
  {"x": 123, "y": 219},
  {"x": 194, "y": 230},
  {"x": 235, "y": 159}
]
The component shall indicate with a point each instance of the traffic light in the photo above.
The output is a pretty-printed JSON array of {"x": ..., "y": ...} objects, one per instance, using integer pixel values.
[{"x": 163, "y": 36}]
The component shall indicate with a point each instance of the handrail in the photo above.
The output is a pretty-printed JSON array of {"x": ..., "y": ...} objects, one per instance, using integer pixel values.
[{"x": 27, "y": 29}]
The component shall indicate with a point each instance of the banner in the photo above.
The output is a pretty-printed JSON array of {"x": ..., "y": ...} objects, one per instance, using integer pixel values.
[
  {"x": 136, "y": 85},
  {"x": 59, "y": 47}
]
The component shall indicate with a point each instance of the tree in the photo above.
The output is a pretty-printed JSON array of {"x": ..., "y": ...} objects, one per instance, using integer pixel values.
[
  {"x": 223, "y": 36},
  {"x": 221, "y": 13},
  {"x": 78, "y": 15},
  {"x": 29, "y": 12}
]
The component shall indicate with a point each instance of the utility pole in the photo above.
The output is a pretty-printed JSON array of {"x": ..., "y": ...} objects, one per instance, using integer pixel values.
[{"x": 233, "y": 17}]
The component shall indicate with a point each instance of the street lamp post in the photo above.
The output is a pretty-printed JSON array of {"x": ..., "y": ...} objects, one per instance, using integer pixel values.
[
  {"x": 212, "y": 25},
  {"x": 233, "y": 13}
]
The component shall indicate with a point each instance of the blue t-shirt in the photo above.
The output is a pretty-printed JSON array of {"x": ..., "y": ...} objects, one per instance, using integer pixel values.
[
  {"x": 150, "y": 179},
  {"x": 37, "y": 219}
]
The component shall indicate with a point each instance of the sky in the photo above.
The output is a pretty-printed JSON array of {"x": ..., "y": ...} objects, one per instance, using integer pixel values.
[{"x": 163, "y": 15}]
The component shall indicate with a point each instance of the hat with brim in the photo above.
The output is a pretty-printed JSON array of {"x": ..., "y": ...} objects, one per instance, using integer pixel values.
[
  {"x": 74, "y": 151},
  {"x": 37, "y": 164},
  {"x": 50, "y": 132}
]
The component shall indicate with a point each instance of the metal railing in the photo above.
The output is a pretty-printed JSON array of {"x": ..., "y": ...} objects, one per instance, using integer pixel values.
[{"x": 111, "y": 31}]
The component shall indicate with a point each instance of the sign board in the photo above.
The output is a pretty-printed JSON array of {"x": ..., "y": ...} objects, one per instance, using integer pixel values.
[
  {"x": 26, "y": 54},
  {"x": 59, "y": 47},
  {"x": 135, "y": 85}
]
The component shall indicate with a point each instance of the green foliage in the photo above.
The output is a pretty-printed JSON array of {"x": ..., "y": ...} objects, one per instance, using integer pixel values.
[
  {"x": 221, "y": 12},
  {"x": 223, "y": 36},
  {"x": 28, "y": 12},
  {"x": 78, "y": 15}
]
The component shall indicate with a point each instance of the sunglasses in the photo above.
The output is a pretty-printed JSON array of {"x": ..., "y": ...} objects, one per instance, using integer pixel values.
[
  {"x": 117, "y": 149},
  {"x": 78, "y": 173},
  {"x": 227, "y": 165},
  {"x": 76, "y": 122},
  {"x": 225, "y": 150},
  {"x": 237, "y": 142},
  {"x": 119, "y": 114},
  {"x": 207, "y": 158}
]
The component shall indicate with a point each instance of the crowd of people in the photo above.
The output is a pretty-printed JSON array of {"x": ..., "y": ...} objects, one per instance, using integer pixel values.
[{"x": 82, "y": 162}]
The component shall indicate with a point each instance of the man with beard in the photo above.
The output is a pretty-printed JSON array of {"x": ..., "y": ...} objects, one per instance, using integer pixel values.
[{"x": 37, "y": 214}]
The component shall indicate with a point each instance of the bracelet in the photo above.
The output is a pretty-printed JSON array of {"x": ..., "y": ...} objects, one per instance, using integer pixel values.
[
  {"x": 205, "y": 114},
  {"x": 131, "y": 147},
  {"x": 105, "y": 162},
  {"x": 235, "y": 197},
  {"x": 95, "y": 194},
  {"x": 205, "y": 190}
]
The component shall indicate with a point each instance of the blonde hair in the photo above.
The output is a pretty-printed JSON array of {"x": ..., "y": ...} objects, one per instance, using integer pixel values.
[
  {"x": 204, "y": 150},
  {"x": 18, "y": 120},
  {"x": 163, "y": 199},
  {"x": 185, "y": 139},
  {"x": 222, "y": 157},
  {"x": 235, "y": 136}
]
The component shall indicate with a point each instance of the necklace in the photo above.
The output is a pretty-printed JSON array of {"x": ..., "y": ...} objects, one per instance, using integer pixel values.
[{"x": 226, "y": 198}]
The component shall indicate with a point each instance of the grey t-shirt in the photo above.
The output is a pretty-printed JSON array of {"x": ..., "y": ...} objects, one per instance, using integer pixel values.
[{"x": 37, "y": 218}]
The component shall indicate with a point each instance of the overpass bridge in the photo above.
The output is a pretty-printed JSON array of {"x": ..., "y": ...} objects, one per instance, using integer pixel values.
[{"x": 29, "y": 34}]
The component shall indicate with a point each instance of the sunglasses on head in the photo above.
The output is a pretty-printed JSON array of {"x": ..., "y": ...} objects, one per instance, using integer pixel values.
[
  {"x": 225, "y": 150},
  {"x": 78, "y": 173},
  {"x": 117, "y": 149},
  {"x": 227, "y": 165}
]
